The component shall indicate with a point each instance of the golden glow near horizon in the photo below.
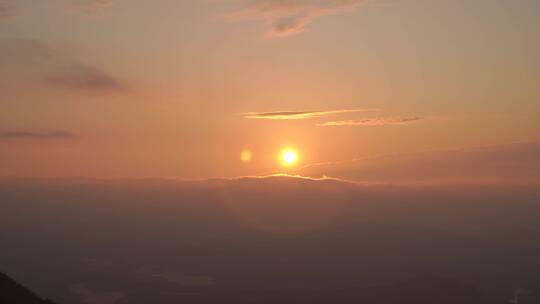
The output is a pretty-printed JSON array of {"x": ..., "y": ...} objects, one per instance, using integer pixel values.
[
  {"x": 246, "y": 156},
  {"x": 289, "y": 157}
]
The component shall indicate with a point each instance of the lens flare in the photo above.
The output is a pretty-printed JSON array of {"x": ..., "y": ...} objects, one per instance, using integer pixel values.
[{"x": 246, "y": 156}]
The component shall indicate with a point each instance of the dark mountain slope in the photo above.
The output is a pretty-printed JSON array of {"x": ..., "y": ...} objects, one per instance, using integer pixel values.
[{"x": 12, "y": 292}]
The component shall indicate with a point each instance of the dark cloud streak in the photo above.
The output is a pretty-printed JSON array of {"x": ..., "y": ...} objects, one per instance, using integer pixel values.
[
  {"x": 5, "y": 11},
  {"x": 83, "y": 77},
  {"x": 58, "y": 134},
  {"x": 33, "y": 59}
]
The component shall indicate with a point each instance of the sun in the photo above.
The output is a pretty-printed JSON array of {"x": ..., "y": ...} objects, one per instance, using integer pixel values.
[{"x": 289, "y": 157}]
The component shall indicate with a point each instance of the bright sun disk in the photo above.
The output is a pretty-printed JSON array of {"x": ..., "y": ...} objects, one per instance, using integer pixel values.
[{"x": 289, "y": 157}]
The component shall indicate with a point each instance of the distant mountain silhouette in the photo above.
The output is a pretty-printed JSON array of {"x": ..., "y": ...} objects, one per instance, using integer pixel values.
[
  {"x": 12, "y": 292},
  {"x": 270, "y": 240},
  {"x": 423, "y": 290}
]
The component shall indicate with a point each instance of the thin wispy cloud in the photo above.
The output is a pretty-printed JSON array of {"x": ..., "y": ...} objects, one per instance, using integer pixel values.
[
  {"x": 92, "y": 6},
  {"x": 372, "y": 121},
  {"x": 6, "y": 11},
  {"x": 3, "y": 9},
  {"x": 100, "y": 3},
  {"x": 83, "y": 77},
  {"x": 24, "y": 134},
  {"x": 292, "y": 17},
  {"x": 297, "y": 115},
  {"x": 512, "y": 163},
  {"x": 36, "y": 60}
]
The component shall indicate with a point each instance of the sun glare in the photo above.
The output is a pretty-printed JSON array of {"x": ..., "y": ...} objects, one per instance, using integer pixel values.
[{"x": 289, "y": 157}]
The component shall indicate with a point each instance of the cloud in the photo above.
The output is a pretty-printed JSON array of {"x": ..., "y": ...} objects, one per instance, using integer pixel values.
[
  {"x": 372, "y": 121},
  {"x": 297, "y": 115},
  {"x": 82, "y": 6},
  {"x": 101, "y": 3},
  {"x": 34, "y": 59},
  {"x": 5, "y": 11},
  {"x": 92, "y": 6},
  {"x": 37, "y": 134},
  {"x": 517, "y": 163},
  {"x": 83, "y": 77},
  {"x": 292, "y": 17}
]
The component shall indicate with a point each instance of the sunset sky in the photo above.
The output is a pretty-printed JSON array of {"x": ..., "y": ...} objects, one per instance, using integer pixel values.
[
  {"x": 118, "y": 88},
  {"x": 270, "y": 151}
]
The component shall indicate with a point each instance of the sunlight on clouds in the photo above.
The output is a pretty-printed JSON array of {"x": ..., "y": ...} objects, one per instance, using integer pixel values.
[
  {"x": 371, "y": 121},
  {"x": 297, "y": 115}
]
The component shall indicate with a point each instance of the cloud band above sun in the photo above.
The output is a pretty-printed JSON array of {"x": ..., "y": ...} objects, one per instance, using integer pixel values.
[
  {"x": 297, "y": 115},
  {"x": 372, "y": 121}
]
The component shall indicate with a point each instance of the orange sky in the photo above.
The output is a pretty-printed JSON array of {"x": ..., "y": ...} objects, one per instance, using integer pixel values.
[{"x": 180, "y": 88}]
